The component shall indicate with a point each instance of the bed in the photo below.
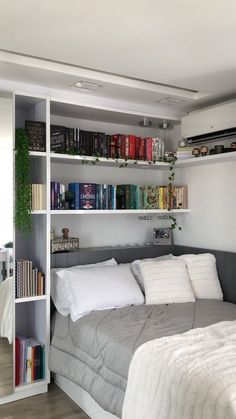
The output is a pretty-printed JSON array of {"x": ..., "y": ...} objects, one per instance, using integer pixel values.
[{"x": 91, "y": 356}]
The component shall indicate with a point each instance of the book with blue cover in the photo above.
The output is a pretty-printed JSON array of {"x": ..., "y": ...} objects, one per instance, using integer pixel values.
[{"x": 75, "y": 202}]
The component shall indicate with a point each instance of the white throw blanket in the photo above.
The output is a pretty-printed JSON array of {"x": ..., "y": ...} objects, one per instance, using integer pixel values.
[
  {"x": 6, "y": 309},
  {"x": 186, "y": 376}
]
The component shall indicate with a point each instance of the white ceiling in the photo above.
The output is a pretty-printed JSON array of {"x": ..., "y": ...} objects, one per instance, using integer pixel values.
[{"x": 185, "y": 43}]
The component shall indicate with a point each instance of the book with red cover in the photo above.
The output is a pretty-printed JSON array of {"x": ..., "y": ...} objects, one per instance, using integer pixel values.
[
  {"x": 149, "y": 149},
  {"x": 137, "y": 144},
  {"x": 132, "y": 144},
  {"x": 142, "y": 152}
]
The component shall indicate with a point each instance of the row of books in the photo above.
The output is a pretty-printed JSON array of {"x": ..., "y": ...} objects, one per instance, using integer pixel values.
[
  {"x": 38, "y": 196},
  {"x": 29, "y": 281},
  {"x": 90, "y": 196},
  {"x": 30, "y": 360},
  {"x": 120, "y": 146}
]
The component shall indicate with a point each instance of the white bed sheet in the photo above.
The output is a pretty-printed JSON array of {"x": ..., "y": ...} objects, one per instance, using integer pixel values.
[{"x": 6, "y": 309}]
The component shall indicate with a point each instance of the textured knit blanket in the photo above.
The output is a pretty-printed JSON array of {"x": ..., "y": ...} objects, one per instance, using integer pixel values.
[{"x": 187, "y": 376}]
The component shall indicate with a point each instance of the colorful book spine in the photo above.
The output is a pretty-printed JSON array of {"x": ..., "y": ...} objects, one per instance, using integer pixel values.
[{"x": 87, "y": 196}]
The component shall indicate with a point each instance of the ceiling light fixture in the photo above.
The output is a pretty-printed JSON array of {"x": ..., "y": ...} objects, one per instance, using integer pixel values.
[
  {"x": 86, "y": 86},
  {"x": 170, "y": 100}
]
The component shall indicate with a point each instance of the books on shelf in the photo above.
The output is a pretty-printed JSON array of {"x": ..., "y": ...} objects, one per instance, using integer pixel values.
[
  {"x": 117, "y": 146},
  {"x": 29, "y": 281},
  {"x": 57, "y": 196},
  {"x": 29, "y": 360},
  {"x": 90, "y": 196},
  {"x": 36, "y": 131},
  {"x": 38, "y": 196}
]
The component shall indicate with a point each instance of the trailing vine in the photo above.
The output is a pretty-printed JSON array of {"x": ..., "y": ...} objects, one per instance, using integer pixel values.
[
  {"x": 171, "y": 179},
  {"x": 23, "y": 217}
]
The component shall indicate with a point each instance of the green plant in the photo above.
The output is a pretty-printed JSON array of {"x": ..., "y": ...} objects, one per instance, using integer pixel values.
[
  {"x": 171, "y": 179},
  {"x": 23, "y": 217},
  {"x": 8, "y": 245}
]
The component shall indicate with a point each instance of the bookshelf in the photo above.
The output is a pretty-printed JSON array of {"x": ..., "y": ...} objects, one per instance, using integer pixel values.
[{"x": 32, "y": 314}]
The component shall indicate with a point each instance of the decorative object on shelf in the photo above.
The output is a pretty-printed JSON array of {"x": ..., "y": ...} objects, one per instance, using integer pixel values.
[
  {"x": 162, "y": 236},
  {"x": 183, "y": 142},
  {"x": 219, "y": 148},
  {"x": 23, "y": 217},
  {"x": 171, "y": 179},
  {"x": 64, "y": 243},
  {"x": 36, "y": 131},
  {"x": 204, "y": 150},
  {"x": 196, "y": 152},
  {"x": 233, "y": 146}
]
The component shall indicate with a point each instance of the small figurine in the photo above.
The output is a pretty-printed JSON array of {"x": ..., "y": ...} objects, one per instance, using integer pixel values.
[
  {"x": 65, "y": 232},
  {"x": 204, "y": 150},
  {"x": 196, "y": 152}
]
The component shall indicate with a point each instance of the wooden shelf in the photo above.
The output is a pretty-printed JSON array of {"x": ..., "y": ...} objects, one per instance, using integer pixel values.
[
  {"x": 28, "y": 299},
  {"x": 119, "y": 211},
  {"x": 214, "y": 158},
  {"x": 103, "y": 161}
]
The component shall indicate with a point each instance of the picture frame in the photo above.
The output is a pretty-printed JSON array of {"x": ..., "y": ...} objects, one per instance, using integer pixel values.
[{"x": 162, "y": 236}]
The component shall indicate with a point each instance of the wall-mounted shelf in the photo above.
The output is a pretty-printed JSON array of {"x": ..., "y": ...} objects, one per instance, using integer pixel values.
[
  {"x": 28, "y": 299},
  {"x": 119, "y": 211},
  {"x": 103, "y": 161},
  {"x": 37, "y": 153},
  {"x": 214, "y": 158}
]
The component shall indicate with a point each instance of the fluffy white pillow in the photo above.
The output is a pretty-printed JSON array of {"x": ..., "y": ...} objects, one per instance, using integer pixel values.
[
  {"x": 203, "y": 276},
  {"x": 135, "y": 267},
  {"x": 166, "y": 282},
  {"x": 100, "y": 288},
  {"x": 60, "y": 291}
]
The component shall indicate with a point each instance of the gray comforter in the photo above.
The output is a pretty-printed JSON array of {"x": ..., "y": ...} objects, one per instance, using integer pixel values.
[{"x": 95, "y": 351}]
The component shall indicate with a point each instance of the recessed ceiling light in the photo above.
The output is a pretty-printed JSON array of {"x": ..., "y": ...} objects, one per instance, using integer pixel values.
[
  {"x": 170, "y": 100},
  {"x": 86, "y": 86}
]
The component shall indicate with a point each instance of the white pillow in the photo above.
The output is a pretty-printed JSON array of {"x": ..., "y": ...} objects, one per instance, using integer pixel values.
[
  {"x": 203, "y": 276},
  {"x": 100, "y": 288},
  {"x": 135, "y": 267},
  {"x": 166, "y": 282},
  {"x": 60, "y": 291}
]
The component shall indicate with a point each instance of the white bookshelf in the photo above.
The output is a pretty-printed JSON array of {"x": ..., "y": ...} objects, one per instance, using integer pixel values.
[
  {"x": 119, "y": 212},
  {"x": 211, "y": 159},
  {"x": 28, "y": 299},
  {"x": 32, "y": 314},
  {"x": 108, "y": 162}
]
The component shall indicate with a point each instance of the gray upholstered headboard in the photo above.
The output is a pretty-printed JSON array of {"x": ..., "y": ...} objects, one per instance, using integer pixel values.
[{"x": 226, "y": 261}]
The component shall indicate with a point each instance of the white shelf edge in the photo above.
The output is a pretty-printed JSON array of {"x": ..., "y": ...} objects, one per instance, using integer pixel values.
[
  {"x": 214, "y": 158},
  {"x": 119, "y": 211},
  {"x": 28, "y": 299},
  {"x": 28, "y": 386},
  {"x": 37, "y": 153},
  {"x": 35, "y": 212},
  {"x": 56, "y": 157}
]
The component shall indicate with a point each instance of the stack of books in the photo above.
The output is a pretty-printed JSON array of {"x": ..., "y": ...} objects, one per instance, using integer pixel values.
[
  {"x": 29, "y": 281},
  {"x": 30, "y": 360},
  {"x": 90, "y": 196},
  {"x": 38, "y": 196},
  {"x": 117, "y": 146}
]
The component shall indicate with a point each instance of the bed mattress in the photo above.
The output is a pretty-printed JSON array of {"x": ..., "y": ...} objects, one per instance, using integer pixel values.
[{"x": 95, "y": 352}]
